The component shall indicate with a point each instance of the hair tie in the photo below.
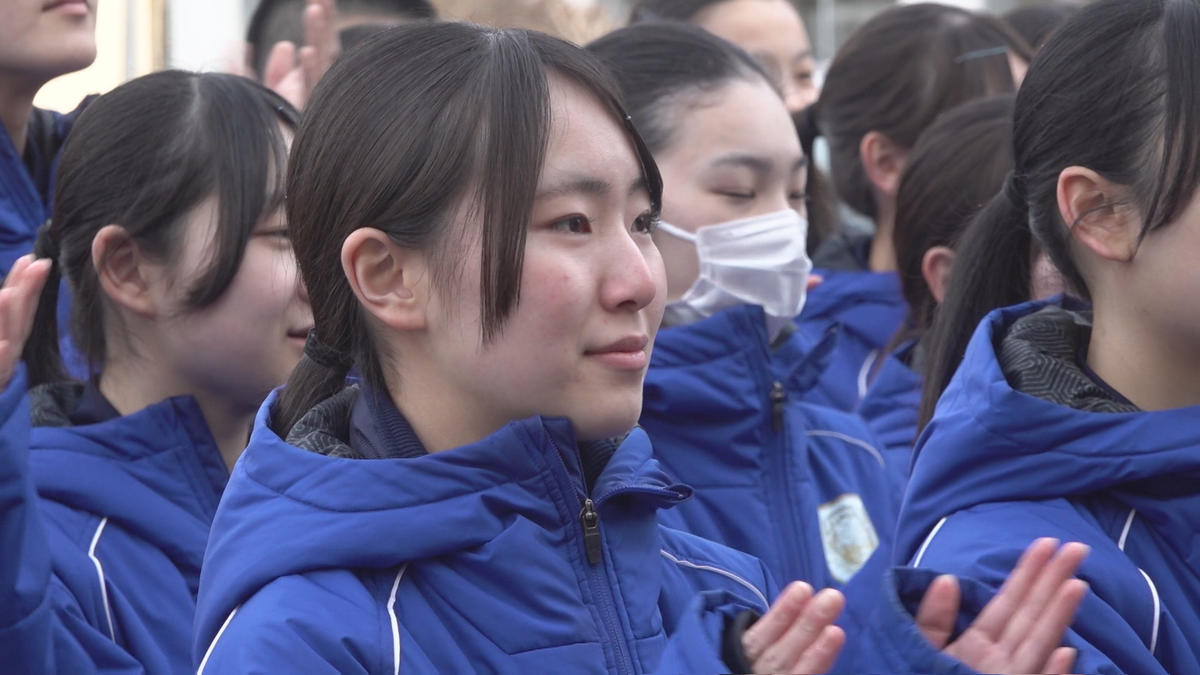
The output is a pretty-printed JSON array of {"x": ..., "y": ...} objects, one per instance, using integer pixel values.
[
  {"x": 46, "y": 245},
  {"x": 323, "y": 355},
  {"x": 1014, "y": 189}
]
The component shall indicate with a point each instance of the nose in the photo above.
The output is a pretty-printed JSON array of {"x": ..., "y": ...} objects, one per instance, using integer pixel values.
[{"x": 632, "y": 274}]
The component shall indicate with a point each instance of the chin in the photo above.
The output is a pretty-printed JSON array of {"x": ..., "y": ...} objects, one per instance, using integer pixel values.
[{"x": 594, "y": 427}]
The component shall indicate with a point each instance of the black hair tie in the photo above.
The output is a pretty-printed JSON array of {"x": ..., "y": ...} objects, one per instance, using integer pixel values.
[
  {"x": 325, "y": 356},
  {"x": 1014, "y": 189},
  {"x": 46, "y": 245}
]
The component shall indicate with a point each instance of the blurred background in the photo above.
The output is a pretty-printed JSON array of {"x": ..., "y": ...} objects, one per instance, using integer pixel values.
[{"x": 138, "y": 36}]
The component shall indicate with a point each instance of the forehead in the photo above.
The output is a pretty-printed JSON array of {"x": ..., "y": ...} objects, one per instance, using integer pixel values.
[
  {"x": 586, "y": 138},
  {"x": 758, "y": 26},
  {"x": 743, "y": 117}
]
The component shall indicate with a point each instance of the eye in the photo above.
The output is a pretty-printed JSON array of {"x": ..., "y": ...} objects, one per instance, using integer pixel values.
[
  {"x": 740, "y": 196},
  {"x": 572, "y": 225},
  {"x": 277, "y": 233},
  {"x": 798, "y": 197},
  {"x": 646, "y": 223}
]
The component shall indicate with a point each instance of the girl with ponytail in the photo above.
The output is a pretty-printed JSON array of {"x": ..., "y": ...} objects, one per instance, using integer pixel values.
[
  {"x": 168, "y": 231},
  {"x": 1082, "y": 420},
  {"x": 893, "y": 77}
]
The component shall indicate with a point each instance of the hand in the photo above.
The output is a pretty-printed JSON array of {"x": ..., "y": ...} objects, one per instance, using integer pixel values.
[
  {"x": 18, "y": 306},
  {"x": 292, "y": 73},
  {"x": 1021, "y": 629},
  {"x": 797, "y": 634}
]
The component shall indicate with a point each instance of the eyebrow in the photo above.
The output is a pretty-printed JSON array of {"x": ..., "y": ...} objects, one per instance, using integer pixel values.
[
  {"x": 807, "y": 54},
  {"x": 593, "y": 187},
  {"x": 754, "y": 163}
]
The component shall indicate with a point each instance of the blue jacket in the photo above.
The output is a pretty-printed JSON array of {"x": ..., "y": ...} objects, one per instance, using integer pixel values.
[
  {"x": 870, "y": 308},
  {"x": 892, "y": 406},
  {"x": 101, "y": 566},
  {"x": 801, "y": 487},
  {"x": 476, "y": 559},
  {"x": 25, "y": 201},
  {"x": 998, "y": 468}
]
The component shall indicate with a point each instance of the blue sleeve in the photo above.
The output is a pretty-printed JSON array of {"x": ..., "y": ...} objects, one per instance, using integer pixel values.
[
  {"x": 698, "y": 641},
  {"x": 42, "y": 628}
]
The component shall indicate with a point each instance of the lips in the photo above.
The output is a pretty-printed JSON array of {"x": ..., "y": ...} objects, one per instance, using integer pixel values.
[
  {"x": 633, "y": 343},
  {"x": 628, "y": 353},
  {"x": 299, "y": 333}
]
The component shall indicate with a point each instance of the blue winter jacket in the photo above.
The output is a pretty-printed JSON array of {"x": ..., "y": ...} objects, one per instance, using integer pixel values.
[
  {"x": 26, "y": 199},
  {"x": 870, "y": 308},
  {"x": 998, "y": 468},
  {"x": 483, "y": 558},
  {"x": 101, "y": 566},
  {"x": 801, "y": 487},
  {"x": 892, "y": 407}
]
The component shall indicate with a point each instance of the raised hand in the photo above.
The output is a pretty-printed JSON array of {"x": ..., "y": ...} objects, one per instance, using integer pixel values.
[
  {"x": 292, "y": 73},
  {"x": 18, "y": 306},
  {"x": 1021, "y": 629},
  {"x": 797, "y": 634}
]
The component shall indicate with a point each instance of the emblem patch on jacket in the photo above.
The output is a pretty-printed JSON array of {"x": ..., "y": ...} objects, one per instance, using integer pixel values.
[{"x": 848, "y": 536}]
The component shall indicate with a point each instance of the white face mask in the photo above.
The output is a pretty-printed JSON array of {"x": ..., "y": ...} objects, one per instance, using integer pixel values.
[{"x": 755, "y": 261}]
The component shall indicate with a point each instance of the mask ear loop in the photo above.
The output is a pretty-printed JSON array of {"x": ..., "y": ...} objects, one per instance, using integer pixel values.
[{"x": 677, "y": 232}]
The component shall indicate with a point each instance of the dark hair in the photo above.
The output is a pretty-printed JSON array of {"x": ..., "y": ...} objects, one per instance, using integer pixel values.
[
  {"x": 955, "y": 169},
  {"x": 668, "y": 10},
  {"x": 822, "y": 200},
  {"x": 276, "y": 21},
  {"x": 355, "y": 35},
  {"x": 658, "y": 65},
  {"x": 1035, "y": 24},
  {"x": 897, "y": 73},
  {"x": 142, "y": 157},
  {"x": 425, "y": 117},
  {"x": 1117, "y": 90}
]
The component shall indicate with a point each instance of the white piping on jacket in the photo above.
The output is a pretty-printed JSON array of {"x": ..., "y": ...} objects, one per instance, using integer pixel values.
[
  {"x": 928, "y": 541},
  {"x": 395, "y": 621},
  {"x": 1125, "y": 532},
  {"x": 1157, "y": 611},
  {"x": 865, "y": 372},
  {"x": 725, "y": 573},
  {"x": 851, "y": 440},
  {"x": 112, "y": 633},
  {"x": 213, "y": 645}
]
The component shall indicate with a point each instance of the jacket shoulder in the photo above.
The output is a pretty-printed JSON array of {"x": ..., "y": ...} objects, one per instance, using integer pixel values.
[{"x": 276, "y": 629}]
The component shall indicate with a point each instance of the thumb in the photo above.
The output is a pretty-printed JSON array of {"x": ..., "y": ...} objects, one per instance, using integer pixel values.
[
  {"x": 938, "y": 611},
  {"x": 281, "y": 62}
]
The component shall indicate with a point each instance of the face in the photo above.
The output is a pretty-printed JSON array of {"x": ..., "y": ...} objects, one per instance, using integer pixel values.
[
  {"x": 734, "y": 155},
  {"x": 772, "y": 32},
  {"x": 248, "y": 341},
  {"x": 43, "y": 39},
  {"x": 578, "y": 343}
]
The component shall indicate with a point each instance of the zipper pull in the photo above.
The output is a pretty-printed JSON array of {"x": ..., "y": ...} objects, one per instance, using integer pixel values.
[
  {"x": 778, "y": 397},
  {"x": 589, "y": 518}
]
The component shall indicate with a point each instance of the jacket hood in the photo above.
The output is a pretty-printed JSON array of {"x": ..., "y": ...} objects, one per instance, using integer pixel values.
[
  {"x": 157, "y": 473},
  {"x": 990, "y": 442},
  {"x": 289, "y": 511},
  {"x": 870, "y": 304}
]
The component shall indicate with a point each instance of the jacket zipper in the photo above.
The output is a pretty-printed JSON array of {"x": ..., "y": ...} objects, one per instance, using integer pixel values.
[
  {"x": 782, "y": 485},
  {"x": 593, "y": 542}
]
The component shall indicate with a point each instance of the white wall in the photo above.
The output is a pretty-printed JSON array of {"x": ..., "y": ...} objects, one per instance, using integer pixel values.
[{"x": 205, "y": 34}]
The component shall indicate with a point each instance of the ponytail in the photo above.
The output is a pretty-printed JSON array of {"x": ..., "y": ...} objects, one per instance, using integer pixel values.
[
  {"x": 992, "y": 268},
  {"x": 41, "y": 352},
  {"x": 320, "y": 374},
  {"x": 822, "y": 206}
]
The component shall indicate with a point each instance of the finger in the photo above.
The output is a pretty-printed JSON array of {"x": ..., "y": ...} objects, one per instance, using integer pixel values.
[
  {"x": 281, "y": 62},
  {"x": 814, "y": 280},
  {"x": 820, "y": 657},
  {"x": 820, "y": 614},
  {"x": 8, "y": 294},
  {"x": 939, "y": 611},
  {"x": 310, "y": 66},
  {"x": 1045, "y": 590},
  {"x": 994, "y": 618},
  {"x": 1035, "y": 650},
  {"x": 1061, "y": 662},
  {"x": 767, "y": 630}
]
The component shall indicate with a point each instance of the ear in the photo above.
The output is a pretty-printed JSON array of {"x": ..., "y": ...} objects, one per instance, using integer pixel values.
[
  {"x": 1090, "y": 206},
  {"x": 883, "y": 162},
  {"x": 122, "y": 270},
  {"x": 935, "y": 267},
  {"x": 389, "y": 280}
]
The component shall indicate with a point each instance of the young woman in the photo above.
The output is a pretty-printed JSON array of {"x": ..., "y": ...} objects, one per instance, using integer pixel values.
[
  {"x": 772, "y": 31},
  {"x": 168, "y": 230},
  {"x": 483, "y": 501},
  {"x": 898, "y": 72},
  {"x": 956, "y": 167},
  {"x": 1085, "y": 424},
  {"x": 729, "y": 390}
]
